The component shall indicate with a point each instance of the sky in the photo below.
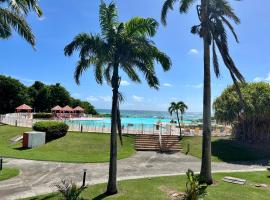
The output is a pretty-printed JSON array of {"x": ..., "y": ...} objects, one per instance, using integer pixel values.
[{"x": 64, "y": 19}]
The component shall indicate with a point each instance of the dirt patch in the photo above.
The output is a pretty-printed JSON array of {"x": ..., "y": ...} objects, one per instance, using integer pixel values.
[{"x": 172, "y": 194}]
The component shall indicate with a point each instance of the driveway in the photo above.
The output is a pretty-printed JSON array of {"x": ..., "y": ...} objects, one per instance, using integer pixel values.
[{"x": 37, "y": 177}]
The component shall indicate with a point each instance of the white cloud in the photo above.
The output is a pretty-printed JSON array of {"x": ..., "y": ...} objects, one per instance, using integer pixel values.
[
  {"x": 268, "y": 77},
  {"x": 92, "y": 98},
  {"x": 196, "y": 86},
  {"x": 257, "y": 79},
  {"x": 106, "y": 98},
  {"x": 193, "y": 52},
  {"x": 124, "y": 83},
  {"x": 137, "y": 98},
  {"x": 167, "y": 85},
  {"x": 42, "y": 18}
]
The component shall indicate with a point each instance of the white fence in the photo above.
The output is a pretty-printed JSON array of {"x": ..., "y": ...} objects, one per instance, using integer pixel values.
[{"x": 100, "y": 127}]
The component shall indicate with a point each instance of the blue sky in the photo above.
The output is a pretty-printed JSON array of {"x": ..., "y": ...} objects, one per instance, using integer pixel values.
[{"x": 64, "y": 19}]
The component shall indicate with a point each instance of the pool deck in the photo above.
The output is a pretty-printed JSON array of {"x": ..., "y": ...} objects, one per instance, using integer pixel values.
[{"x": 37, "y": 177}]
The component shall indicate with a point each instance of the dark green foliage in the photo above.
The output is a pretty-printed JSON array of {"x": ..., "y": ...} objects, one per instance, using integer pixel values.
[
  {"x": 252, "y": 123},
  {"x": 69, "y": 190},
  {"x": 12, "y": 94},
  {"x": 194, "y": 189},
  {"x": 53, "y": 129},
  {"x": 42, "y": 116},
  {"x": 13, "y": 17},
  {"x": 39, "y": 96}
]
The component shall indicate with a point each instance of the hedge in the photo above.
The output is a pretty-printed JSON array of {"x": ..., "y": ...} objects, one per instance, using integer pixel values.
[
  {"x": 42, "y": 116},
  {"x": 53, "y": 129}
]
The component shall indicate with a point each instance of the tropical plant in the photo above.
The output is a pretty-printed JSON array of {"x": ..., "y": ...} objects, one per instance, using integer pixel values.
[
  {"x": 69, "y": 190},
  {"x": 194, "y": 189},
  {"x": 214, "y": 16},
  {"x": 177, "y": 107},
  {"x": 120, "y": 46},
  {"x": 12, "y": 16},
  {"x": 254, "y": 126}
]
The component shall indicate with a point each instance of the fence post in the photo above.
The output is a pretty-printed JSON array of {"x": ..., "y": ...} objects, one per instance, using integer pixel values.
[{"x": 81, "y": 128}]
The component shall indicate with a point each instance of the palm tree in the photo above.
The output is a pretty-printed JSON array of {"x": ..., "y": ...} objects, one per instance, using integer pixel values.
[
  {"x": 12, "y": 16},
  {"x": 120, "y": 46},
  {"x": 177, "y": 107},
  {"x": 214, "y": 16}
]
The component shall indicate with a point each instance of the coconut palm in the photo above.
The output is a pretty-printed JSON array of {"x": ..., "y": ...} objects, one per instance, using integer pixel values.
[
  {"x": 177, "y": 107},
  {"x": 120, "y": 46},
  {"x": 214, "y": 17},
  {"x": 12, "y": 16}
]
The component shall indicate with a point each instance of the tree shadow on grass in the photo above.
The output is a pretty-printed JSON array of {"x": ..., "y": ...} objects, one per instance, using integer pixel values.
[
  {"x": 233, "y": 151},
  {"x": 101, "y": 196}
]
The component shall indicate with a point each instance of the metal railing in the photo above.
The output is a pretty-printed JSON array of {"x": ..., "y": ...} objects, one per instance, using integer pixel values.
[{"x": 102, "y": 127}]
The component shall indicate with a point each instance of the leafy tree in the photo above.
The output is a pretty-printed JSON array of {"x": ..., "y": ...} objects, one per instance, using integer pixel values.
[
  {"x": 120, "y": 46},
  {"x": 33, "y": 92},
  {"x": 12, "y": 16},
  {"x": 177, "y": 107},
  {"x": 214, "y": 16},
  {"x": 254, "y": 124},
  {"x": 89, "y": 109},
  {"x": 42, "y": 100},
  {"x": 58, "y": 95},
  {"x": 12, "y": 93}
]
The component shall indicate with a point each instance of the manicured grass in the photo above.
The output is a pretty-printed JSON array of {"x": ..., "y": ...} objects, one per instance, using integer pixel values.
[
  {"x": 224, "y": 149},
  {"x": 161, "y": 188},
  {"x": 74, "y": 147},
  {"x": 8, "y": 173}
]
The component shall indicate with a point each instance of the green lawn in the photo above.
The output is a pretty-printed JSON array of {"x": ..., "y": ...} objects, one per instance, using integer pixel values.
[
  {"x": 161, "y": 188},
  {"x": 74, "y": 147},
  {"x": 8, "y": 173},
  {"x": 224, "y": 149}
]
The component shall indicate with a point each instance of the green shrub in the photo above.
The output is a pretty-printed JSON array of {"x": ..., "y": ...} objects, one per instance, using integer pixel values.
[
  {"x": 53, "y": 129},
  {"x": 69, "y": 190},
  {"x": 42, "y": 116},
  {"x": 194, "y": 189}
]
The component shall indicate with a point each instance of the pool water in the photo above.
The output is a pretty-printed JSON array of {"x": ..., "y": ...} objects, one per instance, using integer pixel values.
[{"x": 124, "y": 121}]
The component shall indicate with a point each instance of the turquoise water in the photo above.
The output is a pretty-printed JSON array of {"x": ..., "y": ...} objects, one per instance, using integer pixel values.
[{"x": 137, "y": 117}]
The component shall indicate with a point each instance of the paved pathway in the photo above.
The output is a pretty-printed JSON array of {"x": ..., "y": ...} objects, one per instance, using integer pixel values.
[{"x": 37, "y": 177}]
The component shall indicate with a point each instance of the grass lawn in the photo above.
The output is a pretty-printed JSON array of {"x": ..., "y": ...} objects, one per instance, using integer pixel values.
[
  {"x": 224, "y": 149},
  {"x": 74, "y": 147},
  {"x": 8, "y": 173},
  {"x": 162, "y": 187}
]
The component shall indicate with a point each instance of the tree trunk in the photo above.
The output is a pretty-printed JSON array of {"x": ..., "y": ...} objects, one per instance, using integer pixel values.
[
  {"x": 205, "y": 173},
  {"x": 112, "y": 182},
  {"x": 177, "y": 114}
]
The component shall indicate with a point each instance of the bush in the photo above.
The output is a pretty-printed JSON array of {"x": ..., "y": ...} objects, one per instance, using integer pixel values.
[
  {"x": 194, "y": 189},
  {"x": 42, "y": 116},
  {"x": 69, "y": 190},
  {"x": 53, "y": 129}
]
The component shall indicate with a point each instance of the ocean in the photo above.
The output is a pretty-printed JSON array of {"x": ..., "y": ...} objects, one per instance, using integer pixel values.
[{"x": 188, "y": 116}]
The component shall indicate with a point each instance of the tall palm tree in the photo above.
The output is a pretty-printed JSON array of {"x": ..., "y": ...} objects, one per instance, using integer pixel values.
[
  {"x": 214, "y": 16},
  {"x": 12, "y": 16},
  {"x": 177, "y": 107},
  {"x": 120, "y": 46}
]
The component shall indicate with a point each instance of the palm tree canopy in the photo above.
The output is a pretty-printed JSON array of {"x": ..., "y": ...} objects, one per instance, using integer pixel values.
[
  {"x": 220, "y": 13},
  {"x": 126, "y": 45},
  {"x": 12, "y": 16},
  {"x": 177, "y": 106}
]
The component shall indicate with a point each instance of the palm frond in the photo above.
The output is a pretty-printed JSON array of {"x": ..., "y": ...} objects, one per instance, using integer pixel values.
[
  {"x": 215, "y": 60},
  {"x": 141, "y": 26},
  {"x": 18, "y": 23},
  {"x": 168, "y": 5},
  {"x": 185, "y": 5}
]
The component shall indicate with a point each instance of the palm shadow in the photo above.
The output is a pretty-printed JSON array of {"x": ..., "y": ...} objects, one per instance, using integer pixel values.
[
  {"x": 101, "y": 196},
  {"x": 232, "y": 151}
]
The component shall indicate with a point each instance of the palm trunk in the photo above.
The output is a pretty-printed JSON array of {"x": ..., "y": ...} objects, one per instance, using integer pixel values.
[
  {"x": 205, "y": 173},
  {"x": 112, "y": 182},
  {"x": 177, "y": 114}
]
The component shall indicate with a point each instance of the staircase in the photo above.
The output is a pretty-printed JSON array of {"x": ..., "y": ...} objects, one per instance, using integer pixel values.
[{"x": 169, "y": 143}]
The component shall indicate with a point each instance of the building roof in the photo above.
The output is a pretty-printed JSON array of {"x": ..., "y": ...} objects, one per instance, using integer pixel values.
[
  {"x": 67, "y": 108},
  {"x": 24, "y": 107},
  {"x": 78, "y": 108},
  {"x": 57, "y": 108}
]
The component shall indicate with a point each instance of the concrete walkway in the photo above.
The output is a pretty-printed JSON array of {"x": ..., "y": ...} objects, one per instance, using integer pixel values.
[{"x": 37, "y": 177}]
